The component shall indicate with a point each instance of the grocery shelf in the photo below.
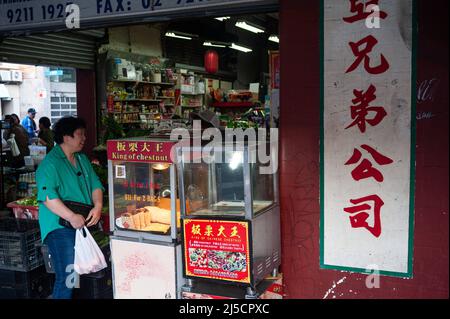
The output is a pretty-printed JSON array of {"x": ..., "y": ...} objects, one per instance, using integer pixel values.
[
  {"x": 233, "y": 104},
  {"x": 138, "y": 100},
  {"x": 143, "y": 82}
]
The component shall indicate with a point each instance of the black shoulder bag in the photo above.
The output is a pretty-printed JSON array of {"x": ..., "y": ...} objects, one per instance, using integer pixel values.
[{"x": 77, "y": 207}]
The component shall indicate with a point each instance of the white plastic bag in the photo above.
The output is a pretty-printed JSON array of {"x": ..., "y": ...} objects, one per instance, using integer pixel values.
[
  {"x": 88, "y": 256},
  {"x": 13, "y": 145}
]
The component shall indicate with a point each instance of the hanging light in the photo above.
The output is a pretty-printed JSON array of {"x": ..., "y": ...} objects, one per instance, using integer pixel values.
[
  {"x": 160, "y": 166},
  {"x": 211, "y": 61},
  {"x": 180, "y": 35},
  {"x": 274, "y": 38},
  {"x": 236, "y": 159},
  {"x": 222, "y": 18},
  {"x": 240, "y": 48},
  {"x": 249, "y": 27},
  {"x": 214, "y": 44}
]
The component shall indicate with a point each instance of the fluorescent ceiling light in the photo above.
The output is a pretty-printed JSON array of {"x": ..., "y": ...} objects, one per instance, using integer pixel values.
[
  {"x": 240, "y": 48},
  {"x": 213, "y": 44},
  {"x": 249, "y": 27},
  {"x": 274, "y": 38},
  {"x": 173, "y": 35},
  {"x": 222, "y": 18}
]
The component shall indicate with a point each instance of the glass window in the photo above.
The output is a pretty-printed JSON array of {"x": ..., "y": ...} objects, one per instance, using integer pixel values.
[
  {"x": 263, "y": 191},
  {"x": 142, "y": 197},
  {"x": 215, "y": 188},
  {"x": 66, "y": 75}
]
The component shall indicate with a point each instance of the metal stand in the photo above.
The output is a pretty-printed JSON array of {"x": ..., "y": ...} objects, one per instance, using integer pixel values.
[
  {"x": 189, "y": 286},
  {"x": 251, "y": 293}
]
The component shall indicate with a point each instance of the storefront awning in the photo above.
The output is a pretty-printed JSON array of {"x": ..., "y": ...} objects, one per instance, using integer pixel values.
[{"x": 4, "y": 93}]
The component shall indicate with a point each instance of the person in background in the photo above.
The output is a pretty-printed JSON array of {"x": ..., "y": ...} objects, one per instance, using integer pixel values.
[
  {"x": 46, "y": 136},
  {"x": 30, "y": 125},
  {"x": 21, "y": 138},
  {"x": 16, "y": 118},
  {"x": 66, "y": 174},
  {"x": 17, "y": 121}
]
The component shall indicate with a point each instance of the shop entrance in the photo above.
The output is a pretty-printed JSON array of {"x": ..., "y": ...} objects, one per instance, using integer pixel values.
[{"x": 156, "y": 77}]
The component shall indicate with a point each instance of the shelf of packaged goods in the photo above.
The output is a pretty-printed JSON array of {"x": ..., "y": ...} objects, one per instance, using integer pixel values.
[
  {"x": 190, "y": 93},
  {"x": 133, "y": 122},
  {"x": 232, "y": 104},
  {"x": 138, "y": 100},
  {"x": 143, "y": 82},
  {"x": 136, "y": 112},
  {"x": 165, "y": 97},
  {"x": 190, "y": 105}
]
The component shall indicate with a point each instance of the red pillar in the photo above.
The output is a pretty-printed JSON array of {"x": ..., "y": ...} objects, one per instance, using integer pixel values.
[{"x": 86, "y": 106}]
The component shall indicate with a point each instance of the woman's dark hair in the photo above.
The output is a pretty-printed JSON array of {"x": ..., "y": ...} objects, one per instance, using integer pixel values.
[
  {"x": 66, "y": 126},
  {"x": 16, "y": 118},
  {"x": 45, "y": 121}
]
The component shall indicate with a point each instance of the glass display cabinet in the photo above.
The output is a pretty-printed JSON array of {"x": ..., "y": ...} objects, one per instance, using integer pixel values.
[
  {"x": 230, "y": 216},
  {"x": 144, "y": 218}
]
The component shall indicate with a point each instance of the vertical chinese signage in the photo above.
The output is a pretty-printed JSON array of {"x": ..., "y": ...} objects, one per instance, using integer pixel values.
[
  {"x": 367, "y": 157},
  {"x": 217, "y": 249}
]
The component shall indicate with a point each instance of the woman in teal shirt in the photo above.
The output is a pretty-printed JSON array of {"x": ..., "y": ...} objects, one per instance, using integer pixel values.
[{"x": 66, "y": 174}]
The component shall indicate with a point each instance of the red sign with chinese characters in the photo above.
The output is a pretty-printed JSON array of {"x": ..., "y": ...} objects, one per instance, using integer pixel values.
[
  {"x": 217, "y": 249},
  {"x": 139, "y": 151}
]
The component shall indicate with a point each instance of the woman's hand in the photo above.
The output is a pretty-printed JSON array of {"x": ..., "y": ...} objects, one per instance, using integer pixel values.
[
  {"x": 77, "y": 221},
  {"x": 94, "y": 216}
]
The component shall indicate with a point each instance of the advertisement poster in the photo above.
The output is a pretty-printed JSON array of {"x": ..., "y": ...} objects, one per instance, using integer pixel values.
[
  {"x": 367, "y": 161},
  {"x": 217, "y": 249}
]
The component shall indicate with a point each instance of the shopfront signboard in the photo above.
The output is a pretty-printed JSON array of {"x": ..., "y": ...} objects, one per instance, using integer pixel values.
[
  {"x": 367, "y": 140},
  {"x": 217, "y": 249},
  {"x": 29, "y": 16},
  {"x": 139, "y": 151}
]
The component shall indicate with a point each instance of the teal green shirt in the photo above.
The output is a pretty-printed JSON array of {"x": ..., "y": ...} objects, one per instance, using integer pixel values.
[{"x": 56, "y": 177}]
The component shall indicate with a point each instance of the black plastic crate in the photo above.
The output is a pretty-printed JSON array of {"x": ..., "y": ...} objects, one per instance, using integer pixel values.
[
  {"x": 18, "y": 244},
  {"x": 95, "y": 286},
  {"x": 35, "y": 284}
]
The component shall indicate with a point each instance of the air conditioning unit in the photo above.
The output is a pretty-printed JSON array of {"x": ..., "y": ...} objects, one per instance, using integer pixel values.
[
  {"x": 16, "y": 76},
  {"x": 5, "y": 75}
]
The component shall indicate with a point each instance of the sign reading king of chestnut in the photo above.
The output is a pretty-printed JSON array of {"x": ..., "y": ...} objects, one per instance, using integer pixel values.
[{"x": 139, "y": 151}]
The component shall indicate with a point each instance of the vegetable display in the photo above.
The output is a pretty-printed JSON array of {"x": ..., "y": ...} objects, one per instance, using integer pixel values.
[{"x": 28, "y": 201}]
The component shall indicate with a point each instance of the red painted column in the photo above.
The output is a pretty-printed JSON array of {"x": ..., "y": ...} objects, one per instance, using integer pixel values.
[
  {"x": 299, "y": 162},
  {"x": 86, "y": 106},
  {"x": 299, "y": 145}
]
